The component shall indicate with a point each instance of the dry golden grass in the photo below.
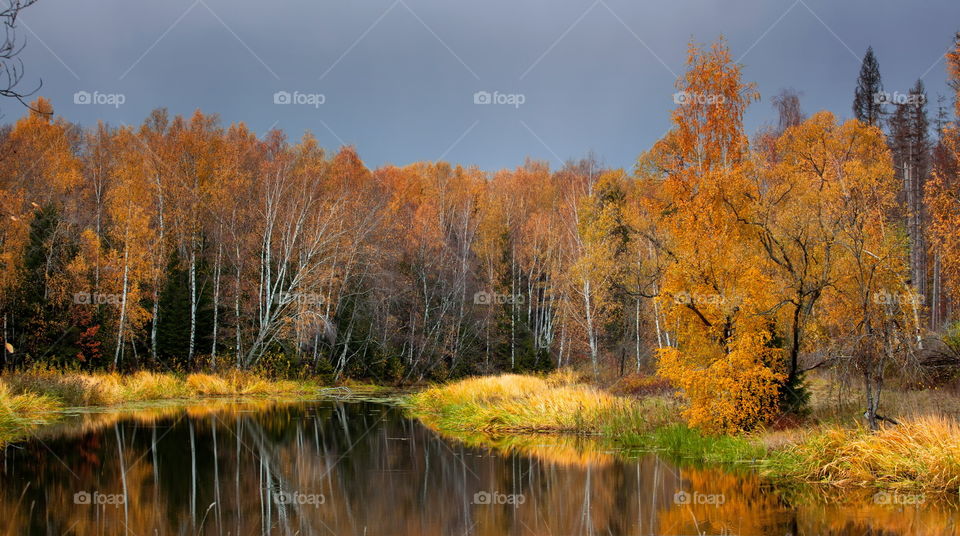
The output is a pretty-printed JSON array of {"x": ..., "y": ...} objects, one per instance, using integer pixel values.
[
  {"x": 152, "y": 386},
  {"x": 487, "y": 389},
  {"x": 240, "y": 383},
  {"x": 516, "y": 403},
  {"x": 72, "y": 389},
  {"x": 99, "y": 389},
  {"x": 107, "y": 389},
  {"x": 21, "y": 412},
  {"x": 30, "y": 398},
  {"x": 921, "y": 453}
]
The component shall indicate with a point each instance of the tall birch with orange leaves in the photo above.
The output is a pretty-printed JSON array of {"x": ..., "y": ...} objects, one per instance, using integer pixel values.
[
  {"x": 233, "y": 237},
  {"x": 713, "y": 291},
  {"x": 132, "y": 239},
  {"x": 38, "y": 171},
  {"x": 800, "y": 211},
  {"x": 942, "y": 194},
  {"x": 197, "y": 144},
  {"x": 431, "y": 224},
  {"x": 155, "y": 136},
  {"x": 540, "y": 249},
  {"x": 519, "y": 248},
  {"x": 37, "y": 168}
]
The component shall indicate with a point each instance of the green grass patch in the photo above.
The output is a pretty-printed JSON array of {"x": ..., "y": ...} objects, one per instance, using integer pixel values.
[{"x": 685, "y": 444}]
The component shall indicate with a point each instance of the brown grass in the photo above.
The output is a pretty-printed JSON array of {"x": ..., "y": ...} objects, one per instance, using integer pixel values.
[
  {"x": 921, "y": 453},
  {"x": 241, "y": 383},
  {"x": 21, "y": 412},
  {"x": 516, "y": 403},
  {"x": 29, "y": 399}
]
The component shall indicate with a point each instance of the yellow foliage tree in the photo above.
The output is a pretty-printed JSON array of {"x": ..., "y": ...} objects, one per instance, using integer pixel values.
[
  {"x": 601, "y": 241},
  {"x": 713, "y": 290},
  {"x": 942, "y": 194}
]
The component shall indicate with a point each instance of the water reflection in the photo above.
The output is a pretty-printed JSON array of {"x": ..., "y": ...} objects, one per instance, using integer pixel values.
[{"x": 364, "y": 469}]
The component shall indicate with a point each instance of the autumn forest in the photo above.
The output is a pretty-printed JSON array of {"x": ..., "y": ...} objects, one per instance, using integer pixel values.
[
  {"x": 729, "y": 263},
  {"x": 746, "y": 326}
]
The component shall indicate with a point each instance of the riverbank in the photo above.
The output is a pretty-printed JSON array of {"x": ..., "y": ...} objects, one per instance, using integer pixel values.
[
  {"x": 32, "y": 399},
  {"x": 922, "y": 453}
]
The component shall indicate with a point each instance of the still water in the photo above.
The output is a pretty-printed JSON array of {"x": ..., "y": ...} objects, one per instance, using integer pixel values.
[{"x": 363, "y": 468}]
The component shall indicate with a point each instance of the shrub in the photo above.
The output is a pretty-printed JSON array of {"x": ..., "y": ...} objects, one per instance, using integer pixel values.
[{"x": 736, "y": 391}]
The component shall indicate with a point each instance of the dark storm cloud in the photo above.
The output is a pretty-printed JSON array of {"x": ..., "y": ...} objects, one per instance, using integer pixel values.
[{"x": 398, "y": 78}]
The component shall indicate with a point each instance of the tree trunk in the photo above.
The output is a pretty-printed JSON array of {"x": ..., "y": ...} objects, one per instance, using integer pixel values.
[
  {"x": 193, "y": 304},
  {"x": 591, "y": 333},
  {"x": 123, "y": 300},
  {"x": 216, "y": 304}
]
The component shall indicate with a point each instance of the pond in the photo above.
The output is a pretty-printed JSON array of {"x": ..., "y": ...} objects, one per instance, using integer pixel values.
[{"x": 363, "y": 468}]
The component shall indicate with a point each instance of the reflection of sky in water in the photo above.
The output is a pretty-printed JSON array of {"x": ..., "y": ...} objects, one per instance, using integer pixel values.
[{"x": 361, "y": 468}]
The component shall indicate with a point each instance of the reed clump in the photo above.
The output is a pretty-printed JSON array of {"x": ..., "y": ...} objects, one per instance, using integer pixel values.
[
  {"x": 921, "y": 453},
  {"x": 21, "y": 412},
  {"x": 521, "y": 403}
]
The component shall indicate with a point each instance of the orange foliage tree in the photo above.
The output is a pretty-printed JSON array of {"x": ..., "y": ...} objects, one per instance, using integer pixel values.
[
  {"x": 943, "y": 190},
  {"x": 713, "y": 290}
]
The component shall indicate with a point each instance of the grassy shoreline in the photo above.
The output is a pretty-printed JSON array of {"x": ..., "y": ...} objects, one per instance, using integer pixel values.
[
  {"x": 921, "y": 453},
  {"x": 29, "y": 400}
]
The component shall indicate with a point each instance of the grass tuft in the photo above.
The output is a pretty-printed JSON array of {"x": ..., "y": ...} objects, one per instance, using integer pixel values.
[
  {"x": 242, "y": 383},
  {"x": 515, "y": 403},
  {"x": 921, "y": 453},
  {"x": 21, "y": 412}
]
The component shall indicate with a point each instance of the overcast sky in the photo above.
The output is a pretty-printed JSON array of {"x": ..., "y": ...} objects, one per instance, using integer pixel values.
[{"x": 398, "y": 78}]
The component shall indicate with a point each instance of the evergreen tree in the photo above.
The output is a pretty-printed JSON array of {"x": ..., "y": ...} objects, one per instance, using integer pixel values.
[
  {"x": 869, "y": 98},
  {"x": 173, "y": 328},
  {"x": 45, "y": 329}
]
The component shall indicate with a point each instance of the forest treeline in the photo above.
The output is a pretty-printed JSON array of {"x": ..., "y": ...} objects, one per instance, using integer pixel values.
[{"x": 729, "y": 264}]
